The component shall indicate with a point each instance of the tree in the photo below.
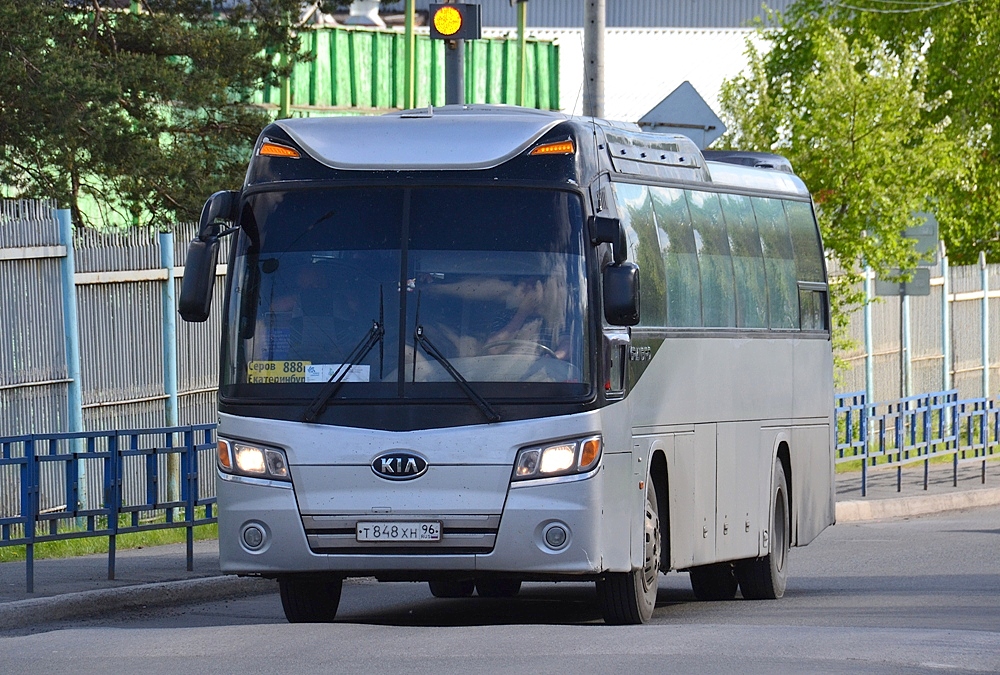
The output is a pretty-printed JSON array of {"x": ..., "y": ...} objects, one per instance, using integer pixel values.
[
  {"x": 960, "y": 43},
  {"x": 853, "y": 117},
  {"x": 142, "y": 114}
]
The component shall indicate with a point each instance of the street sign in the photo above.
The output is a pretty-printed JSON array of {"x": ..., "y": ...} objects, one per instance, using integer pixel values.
[
  {"x": 925, "y": 235},
  {"x": 684, "y": 111},
  {"x": 920, "y": 284}
]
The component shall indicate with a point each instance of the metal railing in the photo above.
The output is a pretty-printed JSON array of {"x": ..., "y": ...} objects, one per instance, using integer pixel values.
[
  {"x": 916, "y": 430},
  {"x": 49, "y": 483}
]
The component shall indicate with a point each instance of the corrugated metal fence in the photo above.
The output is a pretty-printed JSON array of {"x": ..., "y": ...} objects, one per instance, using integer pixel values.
[
  {"x": 118, "y": 284},
  {"x": 353, "y": 70},
  {"x": 946, "y": 338}
]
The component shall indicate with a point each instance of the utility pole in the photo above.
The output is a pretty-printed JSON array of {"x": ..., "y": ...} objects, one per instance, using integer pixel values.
[
  {"x": 593, "y": 58},
  {"x": 522, "y": 49}
]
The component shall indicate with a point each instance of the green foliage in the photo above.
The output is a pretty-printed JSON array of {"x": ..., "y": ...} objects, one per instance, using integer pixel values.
[
  {"x": 854, "y": 117},
  {"x": 143, "y": 113}
]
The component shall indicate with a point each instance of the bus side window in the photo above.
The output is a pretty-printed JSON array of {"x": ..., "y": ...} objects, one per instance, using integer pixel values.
[
  {"x": 779, "y": 264},
  {"x": 748, "y": 262},
  {"x": 680, "y": 257},
  {"x": 808, "y": 265},
  {"x": 636, "y": 212},
  {"x": 718, "y": 296}
]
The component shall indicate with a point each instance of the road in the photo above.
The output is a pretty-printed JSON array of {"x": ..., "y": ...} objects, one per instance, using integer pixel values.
[{"x": 920, "y": 595}]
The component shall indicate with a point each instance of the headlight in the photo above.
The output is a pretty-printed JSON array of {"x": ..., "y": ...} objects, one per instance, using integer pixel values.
[
  {"x": 252, "y": 460},
  {"x": 559, "y": 459}
]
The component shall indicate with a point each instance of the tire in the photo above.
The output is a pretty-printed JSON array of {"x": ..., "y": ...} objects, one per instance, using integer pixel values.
[
  {"x": 628, "y": 598},
  {"x": 498, "y": 588},
  {"x": 765, "y": 578},
  {"x": 714, "y": 582},
  {"x": 462, "y": 588},
  {"x": 310, "y": 599}
]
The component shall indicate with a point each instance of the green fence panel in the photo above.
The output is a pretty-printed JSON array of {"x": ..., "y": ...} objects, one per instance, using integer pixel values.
[
  {"x": 302, "y": 75},
  {"x": 340, "y": 59},
  {"x": 322, "y": 87},
  {"x": 385, "y": 95},
  {"x": 352, "y": 70}
]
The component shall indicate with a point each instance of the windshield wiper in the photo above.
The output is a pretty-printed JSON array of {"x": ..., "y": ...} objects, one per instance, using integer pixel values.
[
  {"x": 357, "y": 355},
  {"x": 431, "y": 350}
]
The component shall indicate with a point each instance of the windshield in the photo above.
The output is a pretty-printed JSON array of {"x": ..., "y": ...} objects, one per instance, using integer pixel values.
[{"x": 335, "y": 284}]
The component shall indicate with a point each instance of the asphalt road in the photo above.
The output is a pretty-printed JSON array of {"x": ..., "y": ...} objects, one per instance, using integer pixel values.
[{"x": 917, "y": 595}]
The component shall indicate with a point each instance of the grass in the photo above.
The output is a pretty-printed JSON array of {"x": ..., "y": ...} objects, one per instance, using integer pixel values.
[{"x": 68, "y": 548}]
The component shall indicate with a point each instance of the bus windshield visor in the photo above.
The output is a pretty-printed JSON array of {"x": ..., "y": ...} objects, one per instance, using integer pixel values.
[{"x": 493, "y": 278}]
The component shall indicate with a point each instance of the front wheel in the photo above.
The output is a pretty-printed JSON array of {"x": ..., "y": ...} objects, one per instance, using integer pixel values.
[
  {"x": 629, "y": 597},
  {"x": 765, "y": 578},
  {"x": 310, "y": 599}
]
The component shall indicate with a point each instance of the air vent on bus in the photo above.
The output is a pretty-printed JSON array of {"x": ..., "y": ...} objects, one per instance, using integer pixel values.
[{"x": 663, "y": 155}]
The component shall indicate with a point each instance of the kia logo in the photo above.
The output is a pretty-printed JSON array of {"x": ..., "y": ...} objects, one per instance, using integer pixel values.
[{"x": 399, "y": 465}]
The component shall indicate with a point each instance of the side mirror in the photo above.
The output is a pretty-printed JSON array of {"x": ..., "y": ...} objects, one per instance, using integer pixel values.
[
  {"x": 621, "y": 294},
  {"x": 605, "y": 230},
  {"x": 195, "y": 302},
  {"x": 222, "y": 205}
]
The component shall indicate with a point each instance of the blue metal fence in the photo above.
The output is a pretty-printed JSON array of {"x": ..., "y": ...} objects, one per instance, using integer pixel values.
[
  {"x": 48, "y": 480},
  {"x": 48, "y": 497},
  {"x": 916, "y": 429}
]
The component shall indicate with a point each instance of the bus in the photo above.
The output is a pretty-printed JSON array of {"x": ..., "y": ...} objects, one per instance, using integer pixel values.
[{"x": 479, "y": 345}]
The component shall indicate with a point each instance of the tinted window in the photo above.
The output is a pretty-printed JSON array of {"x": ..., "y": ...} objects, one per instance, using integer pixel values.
[
  {"x": 748, "y": 262},
  {"x": 636, "y": 211},
  {"x": 779, "y": 263},
  {"x": 718, "y": 297},
  {"x": 680, "y": 257},
  {"x": 805, "y": 241}
]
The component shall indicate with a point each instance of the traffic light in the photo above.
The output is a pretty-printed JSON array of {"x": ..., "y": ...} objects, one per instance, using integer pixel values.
[{"x": 456, "y": 22}]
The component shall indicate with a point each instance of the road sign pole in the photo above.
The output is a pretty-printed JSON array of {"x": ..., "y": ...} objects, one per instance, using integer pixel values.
[{"x": 454, "y": 72}]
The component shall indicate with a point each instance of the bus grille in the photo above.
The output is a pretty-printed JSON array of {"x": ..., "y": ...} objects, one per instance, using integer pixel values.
[{"x": 459, "y": 535}]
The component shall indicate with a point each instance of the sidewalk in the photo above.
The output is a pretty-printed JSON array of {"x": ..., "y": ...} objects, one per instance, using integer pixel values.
[{"x": 76, "y": 587}]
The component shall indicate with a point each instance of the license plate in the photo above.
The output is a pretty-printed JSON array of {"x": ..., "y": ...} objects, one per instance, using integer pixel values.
[{"x": 398, "y": 531}]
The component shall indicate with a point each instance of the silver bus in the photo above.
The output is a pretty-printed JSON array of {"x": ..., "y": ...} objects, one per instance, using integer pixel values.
[{"x": 482, "y": 345}]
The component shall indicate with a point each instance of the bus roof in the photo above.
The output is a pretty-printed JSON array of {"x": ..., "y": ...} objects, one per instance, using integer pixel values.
[
  {"x": 451, "y": 137},
  {"x": 456, "y": 137}
]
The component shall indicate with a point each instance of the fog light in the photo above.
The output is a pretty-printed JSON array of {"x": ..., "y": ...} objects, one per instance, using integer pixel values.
[
  {"x": 253, "y": 537},
  {"x": 556, "y": 536}
]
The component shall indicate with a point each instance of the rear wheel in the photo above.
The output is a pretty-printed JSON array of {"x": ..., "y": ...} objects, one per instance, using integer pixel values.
[
  {"x": 461, "y": 588},
  {"x": 713, "y": 582},
  {"x": 310, "y": 599},
  {"x": 498, "y": 588},
  {"x": 629, "y": 597},
  {"x": 765, "y": 578}
]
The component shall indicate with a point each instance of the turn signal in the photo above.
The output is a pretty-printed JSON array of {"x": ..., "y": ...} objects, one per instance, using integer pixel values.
[
  {"x": 225, "y": 456},
  {"x": 558, "y": 148},
  {"x": 269, "y": 149}
]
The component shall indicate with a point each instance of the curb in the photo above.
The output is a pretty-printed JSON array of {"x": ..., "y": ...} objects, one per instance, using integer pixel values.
[
  {"x": 22, "y": 613},
  {"x": 904, "y": 507}
]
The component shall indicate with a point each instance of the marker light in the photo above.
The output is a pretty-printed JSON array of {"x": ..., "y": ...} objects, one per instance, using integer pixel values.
[
  {"x": 559, "y": 459},
  {"x": 447, "y": 20},
  {"x": 225, "y": 455},
  {"x": 269, "y": 149},
  {"x": 557, "y": 148}
]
